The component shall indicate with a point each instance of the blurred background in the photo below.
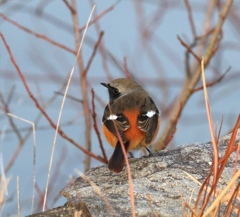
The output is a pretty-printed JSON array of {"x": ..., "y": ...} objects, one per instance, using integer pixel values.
[{"x": 125, "y": 37}]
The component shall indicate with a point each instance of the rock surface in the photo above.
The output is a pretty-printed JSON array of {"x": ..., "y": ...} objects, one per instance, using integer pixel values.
[{"x": 160, "y": 184}]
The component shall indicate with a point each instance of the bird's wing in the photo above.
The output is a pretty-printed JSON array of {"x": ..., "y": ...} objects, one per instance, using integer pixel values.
[
  {"x": 116, "y": 123},
  {"x": 148, "y": 122}
]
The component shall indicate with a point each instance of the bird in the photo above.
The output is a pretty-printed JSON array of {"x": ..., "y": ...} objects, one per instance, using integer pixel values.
[{"x": 131, "y": 118}]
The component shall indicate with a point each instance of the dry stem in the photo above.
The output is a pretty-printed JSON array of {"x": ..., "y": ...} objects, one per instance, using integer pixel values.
[
  {"x": 83, "y": 84},
  {"x": 190, "y": 83}
]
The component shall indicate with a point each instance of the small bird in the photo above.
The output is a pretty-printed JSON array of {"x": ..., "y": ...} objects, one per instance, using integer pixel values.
[{"x": 131, "y": 117}]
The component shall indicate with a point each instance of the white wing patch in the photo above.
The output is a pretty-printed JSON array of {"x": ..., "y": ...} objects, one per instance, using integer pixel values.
[
  {"x": 112, "y": 117},
  {"x": 150, "y": 113}
]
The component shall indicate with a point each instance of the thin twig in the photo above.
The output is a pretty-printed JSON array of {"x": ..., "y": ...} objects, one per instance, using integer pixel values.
[
  {"x": 14, "y": 127},
  {"x": 236, "y": 160},
  {"x": 210, "y": 122},
  {"x": 61, "y": 133},
  {"x": 173, "y": 130},
  {"x": 191, "y": 83},
  {"x": 70, "y": 7},
  {"x": 34, "y": 153},
  {"x": 61, "y": 109},
  {"x": 127, "y": 164},
  {"x": 221, "y": 195},
  {"x": 69, "y": 96},
  {"x": 11, "y": 94},
  {"x": 40, "y": 197},
  {"x": 102, "y": 48},
  {"x": 94, "y": 116},
  {"x": 222, "y": 164},
  {"x": 20, "y": 144},
  {"x": 110, "y": 210},
  {"x": 4, "y": 182},
  {"x": 44, "y": 37},
  {"x": 189, "y": 49},
  {"x": 57, "y": 170},
  {"x": 13, "y": 157},
  {"x": 93, "y": 53},
  {"x": 18, "y": 197},
  {"x": 213, "y": 82},
  {"x": 83, "y": 85},
  {"x": 96, "y": 18},
  {"x": 233, "y": 202}
]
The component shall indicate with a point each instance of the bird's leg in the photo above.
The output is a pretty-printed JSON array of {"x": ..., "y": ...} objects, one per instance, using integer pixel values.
[{"x": 150, "y": 153}]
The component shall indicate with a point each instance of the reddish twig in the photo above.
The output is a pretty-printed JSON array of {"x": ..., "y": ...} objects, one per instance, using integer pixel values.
[
  {"x": 40, "y": 197},
  {"x": 131, "y": 192},
  {"x": 37, "y": 35},
  {"x": 214, "y": 82},
  {"x": 94, "y": 116},
  {"x": 201, "y": 37},
  {"x": 213, "y": 138},
  {"x": 170, "y": 137},
  {"x": 189, "y": 49},
  {"x": 102, "y": 48},
  {"x": 236, "y": 163},
  {"x": 221, "y": 165},
  {"x": 98, "y": 98},
  {"x": 99, "y": 16},
  {"x": 233, "y": 203},
  {"x": 84, "y": 89},
  {"x": 230, "y": 147},
  {"x": 69, "y": 7},
  {"x": 61, "y": 133},
  {"x": 93, "y": 53},
  {"x": 191, "y": 82}
]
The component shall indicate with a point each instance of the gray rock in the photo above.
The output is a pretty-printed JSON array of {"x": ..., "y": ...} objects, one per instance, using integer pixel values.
[{"x": 160, "y": 183}]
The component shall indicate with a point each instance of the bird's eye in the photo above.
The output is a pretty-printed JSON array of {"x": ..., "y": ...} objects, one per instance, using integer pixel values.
[{"x": 115, "y": 91}]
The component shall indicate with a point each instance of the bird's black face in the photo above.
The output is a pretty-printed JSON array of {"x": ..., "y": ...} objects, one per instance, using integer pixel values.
[{"x": 113, "y": 92}]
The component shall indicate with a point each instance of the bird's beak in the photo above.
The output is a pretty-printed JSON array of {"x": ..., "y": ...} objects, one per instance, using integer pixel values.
[{"x": 105, "y": 85}]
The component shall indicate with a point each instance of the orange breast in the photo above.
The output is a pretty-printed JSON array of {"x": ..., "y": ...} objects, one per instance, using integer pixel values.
[
  {"x": 112, "y": 140},
  {"x": 134, "y": 135}
]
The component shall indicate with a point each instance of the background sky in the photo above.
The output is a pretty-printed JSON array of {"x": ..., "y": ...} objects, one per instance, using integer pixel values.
[{"x": 145, "y": 33}]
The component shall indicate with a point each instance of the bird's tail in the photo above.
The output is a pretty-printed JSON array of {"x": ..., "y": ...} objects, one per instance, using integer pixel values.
[{"x": 117, "y": 161}]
